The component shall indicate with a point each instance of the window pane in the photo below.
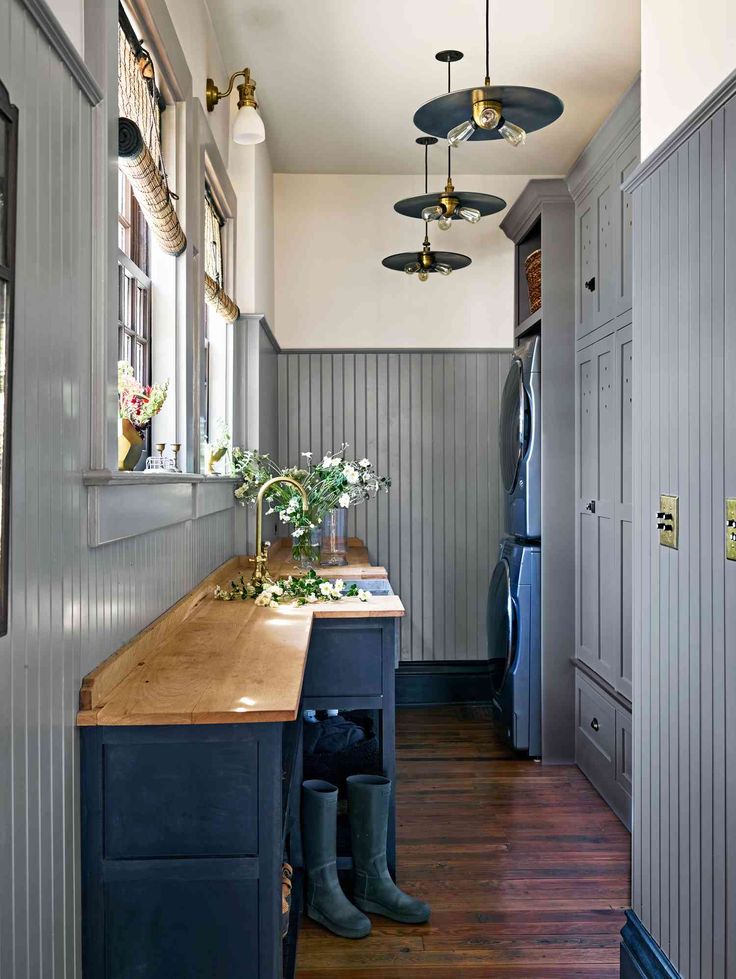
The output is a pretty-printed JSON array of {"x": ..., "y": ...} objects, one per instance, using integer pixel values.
[
  {"x": 4, "y": 326},
  {"x": 4, "y": 177}
]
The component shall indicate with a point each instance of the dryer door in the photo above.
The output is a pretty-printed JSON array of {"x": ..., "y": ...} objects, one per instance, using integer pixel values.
[
  {"x": 500, "y": 622},
  {"x": 514, "y": 425}
]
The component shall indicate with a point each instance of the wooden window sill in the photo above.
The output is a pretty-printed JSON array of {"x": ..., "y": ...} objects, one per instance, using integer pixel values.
[{"x": 126, "y": 504}]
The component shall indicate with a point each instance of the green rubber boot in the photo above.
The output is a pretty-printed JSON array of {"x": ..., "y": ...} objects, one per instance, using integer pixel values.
[
  {"x": 326, "y": 902},
  {"x": 374, "y": 891}
]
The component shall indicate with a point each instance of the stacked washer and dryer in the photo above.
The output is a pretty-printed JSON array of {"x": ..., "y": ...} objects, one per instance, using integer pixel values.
[{"x": 514, "y": 596}]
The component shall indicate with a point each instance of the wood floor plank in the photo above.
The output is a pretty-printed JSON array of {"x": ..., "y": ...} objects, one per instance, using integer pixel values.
[{"x": 525, "y": 867}]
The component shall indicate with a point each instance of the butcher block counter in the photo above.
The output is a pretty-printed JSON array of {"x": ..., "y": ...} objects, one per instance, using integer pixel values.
[
  {"x": 206, "y": 661},
  {"x": 191, "y": 768}
]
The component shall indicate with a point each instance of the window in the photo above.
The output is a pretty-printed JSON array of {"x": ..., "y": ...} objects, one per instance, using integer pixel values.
[
  {"x": 8, "y": 172},
  {"x": 219, "y": 313},
  {"x": 134, "y": 284}
]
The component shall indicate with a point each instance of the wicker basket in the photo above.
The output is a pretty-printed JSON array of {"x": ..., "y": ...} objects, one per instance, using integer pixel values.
[{"x": 533, "y": 268}]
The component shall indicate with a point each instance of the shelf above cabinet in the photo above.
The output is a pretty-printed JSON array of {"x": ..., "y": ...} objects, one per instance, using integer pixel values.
[{"x": 528, "y": 325}]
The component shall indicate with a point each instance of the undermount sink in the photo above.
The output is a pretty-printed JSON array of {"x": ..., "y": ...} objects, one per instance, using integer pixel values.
[{"x": 376, "y": 586}]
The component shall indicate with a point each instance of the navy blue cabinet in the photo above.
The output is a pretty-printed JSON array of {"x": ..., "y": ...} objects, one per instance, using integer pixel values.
[{"x": 185, "y": 828}]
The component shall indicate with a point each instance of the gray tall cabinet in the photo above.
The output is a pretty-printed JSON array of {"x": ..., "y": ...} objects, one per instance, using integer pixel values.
[
  {"x": 603, "y": 454},
  {"x": 542, "y": 218}
]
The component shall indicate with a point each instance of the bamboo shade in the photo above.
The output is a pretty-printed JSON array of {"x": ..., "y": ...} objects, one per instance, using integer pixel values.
[
  {"x": 214, "y": 293},
  {"x": 139, "y": 146},
  {"x": 219, "y": 301}
]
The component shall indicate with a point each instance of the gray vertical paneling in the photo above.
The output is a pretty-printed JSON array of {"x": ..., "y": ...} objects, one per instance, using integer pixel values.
[
  {"x": 70, "y": 606},
  {"x": 684, "y": 855},
  {"x": 429, "y": 420}
]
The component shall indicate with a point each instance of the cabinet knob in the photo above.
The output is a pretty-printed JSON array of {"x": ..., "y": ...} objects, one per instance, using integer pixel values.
[
  {"x": 590, "y": 285},
  {"x": 590, "y": 506},
  {"x": 595, "y": 725}
]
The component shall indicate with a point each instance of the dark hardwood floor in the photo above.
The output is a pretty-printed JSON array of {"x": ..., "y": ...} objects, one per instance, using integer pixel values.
[{"x": 526, "y": 868}]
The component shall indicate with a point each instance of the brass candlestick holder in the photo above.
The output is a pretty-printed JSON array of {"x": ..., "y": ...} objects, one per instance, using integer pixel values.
[{"x": 175, "y": 447}]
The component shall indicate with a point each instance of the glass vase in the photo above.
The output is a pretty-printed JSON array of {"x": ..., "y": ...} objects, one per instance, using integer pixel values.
[
  {"x": 305, "y": 549},
  {"x": 334, "y": 544}
]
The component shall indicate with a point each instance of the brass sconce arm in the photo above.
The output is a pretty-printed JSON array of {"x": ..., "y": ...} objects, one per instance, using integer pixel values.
[{"x": 246, "y": 89}]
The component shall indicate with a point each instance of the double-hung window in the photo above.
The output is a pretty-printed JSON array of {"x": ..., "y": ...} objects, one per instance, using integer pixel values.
[
  {"x": 220, "y": 311},
  {"x": 134, "y": 284}
]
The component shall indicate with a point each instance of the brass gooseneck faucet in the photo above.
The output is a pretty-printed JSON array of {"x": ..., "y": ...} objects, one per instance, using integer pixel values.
[{"x": 261, "y": 559}]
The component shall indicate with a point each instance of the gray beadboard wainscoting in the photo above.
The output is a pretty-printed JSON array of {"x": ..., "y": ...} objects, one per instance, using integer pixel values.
[
  {"x": 430, "y": 421},
  {"x": 70, "y": 604},
  {"x": 684, "y": 825}
]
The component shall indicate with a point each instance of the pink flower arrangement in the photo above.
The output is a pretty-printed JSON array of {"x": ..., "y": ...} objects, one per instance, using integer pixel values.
[{"x": 137, "y": 402}]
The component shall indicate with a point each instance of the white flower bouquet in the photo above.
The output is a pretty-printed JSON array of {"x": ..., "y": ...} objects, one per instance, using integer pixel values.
[{"x": 333, "y": 482}]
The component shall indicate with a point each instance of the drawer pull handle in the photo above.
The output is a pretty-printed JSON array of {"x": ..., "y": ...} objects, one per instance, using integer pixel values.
[{"x": 595, "y": 725}]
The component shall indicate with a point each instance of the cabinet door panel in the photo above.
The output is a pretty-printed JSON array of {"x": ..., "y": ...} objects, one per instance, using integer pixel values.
[
  {"x": 605, "y": 292},
  {"x": 626, "y": 162},
  {"x": 587, "y": 429},
  {"x": 606, "y": 378},
  {"x": 588, "y": 592},
  {"x": 587, "y": 271},
  {"x": 623, "y": 510},
  {"x": 596, "y": 467}
]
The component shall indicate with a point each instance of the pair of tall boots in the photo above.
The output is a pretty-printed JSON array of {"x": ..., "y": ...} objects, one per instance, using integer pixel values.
[{"x": 374, "y": 891}]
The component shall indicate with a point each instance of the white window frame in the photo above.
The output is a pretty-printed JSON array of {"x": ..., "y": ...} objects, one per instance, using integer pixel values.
[{"x": 152, "y": 500}]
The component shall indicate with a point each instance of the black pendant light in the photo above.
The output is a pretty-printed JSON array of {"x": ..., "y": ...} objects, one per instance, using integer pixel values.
[
  {"x": 450, "y": 205},
  {"x": 490, "y": 111},
  {"x": 426, "y": 261}
]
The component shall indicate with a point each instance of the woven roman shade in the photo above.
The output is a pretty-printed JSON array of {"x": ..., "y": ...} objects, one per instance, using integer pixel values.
[
  {"x": 214, "y": 294},
  {"x": 139, "y": 144}
]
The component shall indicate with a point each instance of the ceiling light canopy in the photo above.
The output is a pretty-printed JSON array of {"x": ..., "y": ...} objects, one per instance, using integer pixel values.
[
  {"x": 248, "y": 126},
  {"x": 506, "y": 112},
  {"x": 448, "y": 205},
  {"x": 425, "y": 262}
]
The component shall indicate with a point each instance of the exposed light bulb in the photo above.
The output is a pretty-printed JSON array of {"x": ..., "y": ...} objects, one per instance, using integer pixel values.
[
  {"x": 470, "y": 214},
  {"x": 445, "y": 223},
  {"x": 423, "y": 275},
  {"x": 511, "y": 133},
  {"x": 412, "y": 267},
  {"x": 489, "y": 117},
  {"x": 432, "y": 212},
  {"x": 460, "y": 133},
  {"x": 443, "y": 269}
]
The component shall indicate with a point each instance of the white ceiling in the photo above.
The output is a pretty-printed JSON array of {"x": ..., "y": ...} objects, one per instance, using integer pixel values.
[{"x": 339, "y": 80}]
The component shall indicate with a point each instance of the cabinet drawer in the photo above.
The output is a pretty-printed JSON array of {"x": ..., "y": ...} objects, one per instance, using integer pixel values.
[
  {"x": 624, "y": 749},
  {"x": 603, "y": 745},
  {"x": 596, "y": 720},
  {"x": 344, "y": 661}
]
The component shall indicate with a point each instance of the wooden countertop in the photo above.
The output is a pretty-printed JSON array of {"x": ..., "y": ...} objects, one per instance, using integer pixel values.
[{"x": 210, "y": 662}]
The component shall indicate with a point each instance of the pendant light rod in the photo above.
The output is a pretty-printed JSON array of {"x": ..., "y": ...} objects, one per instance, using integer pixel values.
[
  {"x": 449, "y": 57},
  {"x": 488, "y": 43},
  {"x": 426, "y": 142}
]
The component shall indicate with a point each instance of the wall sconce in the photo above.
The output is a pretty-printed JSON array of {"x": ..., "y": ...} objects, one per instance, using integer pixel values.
[{"x": 248, "y": 127}]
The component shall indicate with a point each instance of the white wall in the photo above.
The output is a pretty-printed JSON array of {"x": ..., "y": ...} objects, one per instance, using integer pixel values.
[
  {"x": 70, "y": 14},
  {"x": 333, "y": 230},
  {"x": 687, "y": 49},
  {"x": 193, "y": 25},
  {"x": 249, "y": 167}
]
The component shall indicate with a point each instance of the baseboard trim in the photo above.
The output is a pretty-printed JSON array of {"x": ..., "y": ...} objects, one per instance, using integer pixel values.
[
  {"x": 641, "y": 957},
  {"x": 426, "y": 683}
]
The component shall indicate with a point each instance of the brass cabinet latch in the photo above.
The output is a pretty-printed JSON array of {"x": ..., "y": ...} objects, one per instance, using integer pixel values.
[
  {"x": 668, "y": 522},
  {"x": 731, "y": 530}
]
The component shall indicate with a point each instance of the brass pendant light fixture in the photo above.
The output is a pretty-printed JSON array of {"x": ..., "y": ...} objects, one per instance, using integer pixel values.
[
  {"x": 450, "y": 205},
  {"x": 489, "y": 111},
  {"x": 426, "y": 261}
]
